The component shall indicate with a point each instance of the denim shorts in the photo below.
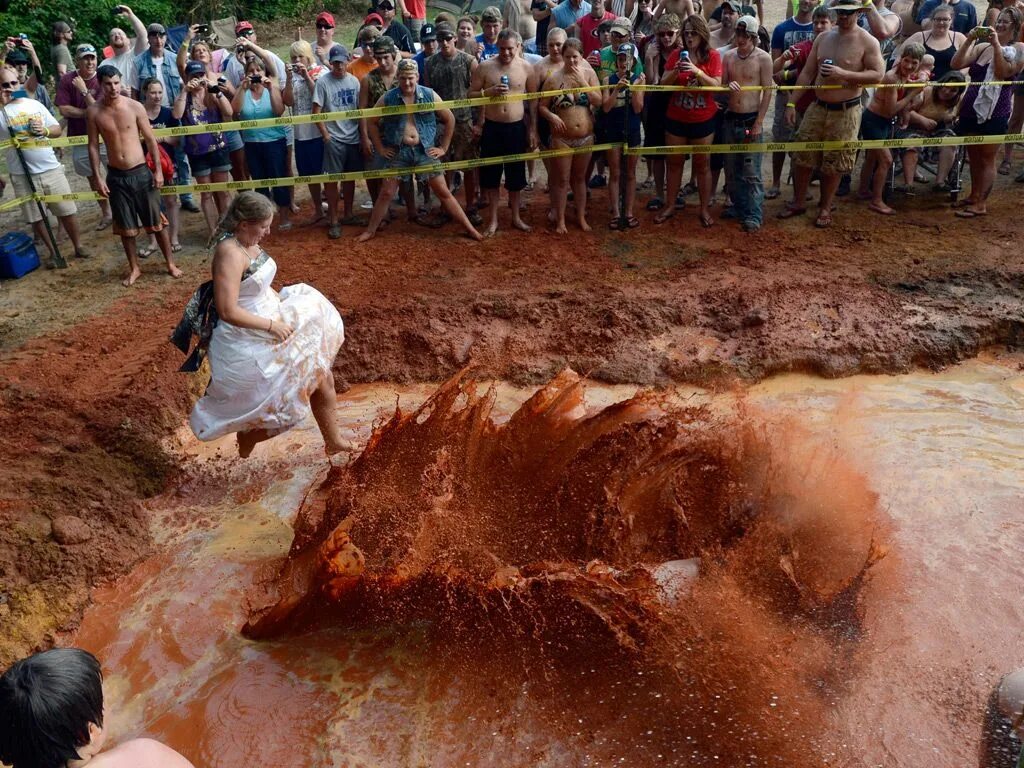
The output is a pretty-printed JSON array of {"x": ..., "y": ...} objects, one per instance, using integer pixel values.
[{"x": 413, "y": 157}]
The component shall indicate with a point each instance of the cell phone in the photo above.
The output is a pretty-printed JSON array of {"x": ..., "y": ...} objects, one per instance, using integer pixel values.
[
  {"x": 118, "y": 10},
  {"x": 255, "y": 79},
  {"x": 212, "y": 88},
  {"x": 203, "y": 29}
]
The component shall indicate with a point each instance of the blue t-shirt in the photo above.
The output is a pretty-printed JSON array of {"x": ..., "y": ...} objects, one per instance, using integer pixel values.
[
  {"x": 490, "y": 49},
  {"x": 790, "y": 32},
  {"x": 965, "y": 16},
  {"x": 564, "y": 15},
  {"x": 165, "y": 120}
]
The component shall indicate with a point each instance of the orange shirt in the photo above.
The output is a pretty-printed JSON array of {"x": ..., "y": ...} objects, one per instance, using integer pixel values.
[{"x": 360, "y": 68}]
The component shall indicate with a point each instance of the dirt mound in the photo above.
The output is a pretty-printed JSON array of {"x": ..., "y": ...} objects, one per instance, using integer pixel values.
[{"x": 676, "y": 545}]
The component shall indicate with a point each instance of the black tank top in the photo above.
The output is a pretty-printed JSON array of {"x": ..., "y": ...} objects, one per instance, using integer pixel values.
[{"x": 943, "y": 57}]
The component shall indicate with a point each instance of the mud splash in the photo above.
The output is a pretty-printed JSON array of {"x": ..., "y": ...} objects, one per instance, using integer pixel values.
[{"x": 700, "y": 588}]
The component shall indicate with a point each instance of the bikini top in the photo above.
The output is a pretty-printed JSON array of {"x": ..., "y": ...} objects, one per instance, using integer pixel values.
[{"x": 563, "y": 100}]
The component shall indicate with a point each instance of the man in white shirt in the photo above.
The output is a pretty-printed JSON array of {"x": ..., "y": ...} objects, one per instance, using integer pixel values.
[
  {"x": 124, "y": 51},
  {"x": 30, "y": 119}
]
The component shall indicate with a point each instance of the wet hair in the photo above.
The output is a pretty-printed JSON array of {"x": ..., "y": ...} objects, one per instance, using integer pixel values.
[
  {"x": 913, "y": 51},
  {"x": 148, "y": 82},
  {"x": 301, "y": 48},
  {"x": 668, "y": 22},
  {"x": 246, "y": 206},
  {"x": 572, "y": 44},
  {"x": 1016, "y": 20},
  {"x": 510, "y": 34},
  {"x": 47, "y": 702},
  {"x": 824, "y": 12},
  {"x": 700, "y": 26},
  {"x": 108, "y": 71}
]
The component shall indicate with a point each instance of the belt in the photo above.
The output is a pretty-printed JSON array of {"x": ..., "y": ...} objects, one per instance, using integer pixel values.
[{"x": 839, "y": 106}]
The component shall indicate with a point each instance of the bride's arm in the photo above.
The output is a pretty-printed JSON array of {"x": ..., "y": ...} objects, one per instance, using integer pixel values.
[{"x": 229, "y": 262}]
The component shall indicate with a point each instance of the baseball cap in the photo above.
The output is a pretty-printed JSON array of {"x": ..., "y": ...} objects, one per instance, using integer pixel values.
[
  {"x": 848, "y": 5},
  {"x": 750, "y": 24},
  {"x": 621, "y": 25},
  {"x": 17, "y": 56},
  {"x": 386, "y": 5},
  {"x": 243, "y": 26},
  {"x": 428, "y": 33},
  {"x": 156, "y": 29},
  {"x": 84, "y": 50},
  {"x": 445, "y": 31},
  {"x": 325, "y": 17},
  {"x": 385, "y": 44},
  {"x": 408, "y": 64},
  {"x": 374, "y": 18},
  {"x": 626, "y": 49},
  {"x": 491, "y": 14},
  {"x": 733, "y": 4},
  {"x": 195, "y": 68},
  {"x": 338, "y": 53}
]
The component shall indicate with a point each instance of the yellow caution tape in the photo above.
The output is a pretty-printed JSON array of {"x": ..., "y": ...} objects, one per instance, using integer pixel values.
[
  {"x": 324, "y": 178},
  {"x": 825, "y": 146},
  {"x": 15, "y": 202},
  {"x": 776, "y": 87}
]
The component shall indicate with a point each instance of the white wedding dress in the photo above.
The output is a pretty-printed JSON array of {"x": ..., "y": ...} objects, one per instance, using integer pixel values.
[{"x": 256, "y": 381}]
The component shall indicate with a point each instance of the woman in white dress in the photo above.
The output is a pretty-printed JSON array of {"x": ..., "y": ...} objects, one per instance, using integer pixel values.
[{"x": 270, "y": 352}]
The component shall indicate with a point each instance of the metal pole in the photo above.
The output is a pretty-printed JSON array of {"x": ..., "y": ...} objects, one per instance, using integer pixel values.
[
  {"x": 58, "y": 260},
  {"x": 623, "y": 157}
]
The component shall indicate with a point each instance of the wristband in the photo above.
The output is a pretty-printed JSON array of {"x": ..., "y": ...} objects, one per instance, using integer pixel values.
[
  {"x": 271, "y": 326},
  {"x": 790, "y": 104}
]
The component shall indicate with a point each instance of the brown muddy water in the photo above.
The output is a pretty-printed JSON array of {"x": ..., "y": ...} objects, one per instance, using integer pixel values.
[{"x": 777, "y": 647}]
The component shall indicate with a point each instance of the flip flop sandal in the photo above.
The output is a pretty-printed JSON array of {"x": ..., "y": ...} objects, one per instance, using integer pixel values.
[
  {"x": 707, "y": 222},
  {"x": 1004, "y": 168},
  {"x": 771, "y": 193},
  {"x": 615, "y": 224},
  {"x": 632, "y": 222},
  {"x": 966, "y": 213},
  {"x": 789, "y": 212},
  {"x": 824, "y": 220},
  {"x": 176, "y": 247}
]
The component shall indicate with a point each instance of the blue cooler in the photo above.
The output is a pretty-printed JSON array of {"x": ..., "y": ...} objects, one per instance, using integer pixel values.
[{"x": 18, "y": 255}]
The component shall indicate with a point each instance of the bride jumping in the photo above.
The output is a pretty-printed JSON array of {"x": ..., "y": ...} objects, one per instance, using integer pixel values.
[{"x": 270, "y": 352}]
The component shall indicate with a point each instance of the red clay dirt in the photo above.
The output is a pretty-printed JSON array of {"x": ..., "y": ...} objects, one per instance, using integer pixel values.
[{"x": 90, "y": 382}]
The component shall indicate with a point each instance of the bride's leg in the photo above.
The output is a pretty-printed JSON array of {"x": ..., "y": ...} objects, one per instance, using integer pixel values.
[
  {"x": 248, "y": 440},
  {"x": 324, "y": 402}
]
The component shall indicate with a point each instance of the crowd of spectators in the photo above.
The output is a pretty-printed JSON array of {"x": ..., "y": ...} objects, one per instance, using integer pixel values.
[{"x": 833, "y": 53}]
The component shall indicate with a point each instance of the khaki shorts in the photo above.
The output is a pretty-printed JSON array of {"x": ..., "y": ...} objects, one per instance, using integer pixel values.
[
  {"x": 80, "y": 159},
  {"x": 463, "y": 146},
  {"x": 47, "y": 183},
  {"x": 820, "y": 124}
]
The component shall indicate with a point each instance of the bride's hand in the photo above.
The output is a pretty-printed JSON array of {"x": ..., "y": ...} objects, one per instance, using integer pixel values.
[{"x": 280, "y": 330}]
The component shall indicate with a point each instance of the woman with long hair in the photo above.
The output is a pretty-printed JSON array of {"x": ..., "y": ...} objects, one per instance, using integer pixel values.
[
  {"x": 201, "y": 103},
  {"x": 692, "y": 114},
  {"x": 991, "y": 54},
  {"x": 162, "y": 117},
  {"x": 259, "y": 97},
  {"x": 298, "y": 94},
  {"x": 572, "y": 125},
  {"x": 270, "y": 352}
]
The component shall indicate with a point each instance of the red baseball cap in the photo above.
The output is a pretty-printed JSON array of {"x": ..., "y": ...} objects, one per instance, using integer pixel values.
[
  {"x": 373, "y": 17},
  {"x": 325, "y": 16},
  {"x": 243, "y": 26}
]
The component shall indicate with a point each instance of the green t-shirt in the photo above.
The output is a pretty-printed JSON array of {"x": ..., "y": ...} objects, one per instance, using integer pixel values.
[{"x": 608, "y": 64}]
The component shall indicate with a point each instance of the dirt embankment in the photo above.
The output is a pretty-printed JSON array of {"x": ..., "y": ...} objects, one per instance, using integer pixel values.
[{"x": 90, "y": 386}]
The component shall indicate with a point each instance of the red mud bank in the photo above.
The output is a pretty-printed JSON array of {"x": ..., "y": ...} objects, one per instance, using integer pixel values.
[
  {"x": 687, "y": 582},
  {"x": 81, "y": 416}
]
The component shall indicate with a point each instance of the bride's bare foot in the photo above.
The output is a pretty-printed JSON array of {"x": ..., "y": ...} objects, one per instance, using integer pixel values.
[{"x": 340, "y": 446}]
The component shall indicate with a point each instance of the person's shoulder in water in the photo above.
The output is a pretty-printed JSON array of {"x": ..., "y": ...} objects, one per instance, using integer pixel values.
[{"x": 139, "y": 753}]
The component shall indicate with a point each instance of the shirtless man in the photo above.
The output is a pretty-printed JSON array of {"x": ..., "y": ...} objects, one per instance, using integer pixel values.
[
  {"x": 506, "y": 128},
  {"x": 68, "y": 727},
  {"x": 130, "y": 186},
  {"x": 681, "y": 8},
  {"x": 722, "y": 38},
  {"x": 517, "y": 15},
  {"x": 412, "y": 140},
  {"x": 746, "y": 65},
  {"x": 848, "y": 56}
]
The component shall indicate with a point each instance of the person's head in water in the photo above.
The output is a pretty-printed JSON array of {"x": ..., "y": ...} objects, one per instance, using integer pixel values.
[{"x": 51, "y": 709}]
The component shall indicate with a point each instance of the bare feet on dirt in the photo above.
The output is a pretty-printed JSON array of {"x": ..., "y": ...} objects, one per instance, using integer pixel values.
[
  {"x": 134, "y": 275},
  {"x": 174, "y": 271}
]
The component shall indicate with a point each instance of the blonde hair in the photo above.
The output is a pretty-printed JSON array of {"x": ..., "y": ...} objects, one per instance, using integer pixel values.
[
  {"x": 246, "y": 206},
  {"x": 301, "y": 48}
]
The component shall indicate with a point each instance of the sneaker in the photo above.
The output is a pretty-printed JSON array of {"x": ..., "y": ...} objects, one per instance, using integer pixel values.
[
  {"x": 334, "y": 232},
  {"x": 190, "y": 205},
  {"x": 729, "y": 213},
  {"x": 474, "y": 217},
  {"x": 750, "y": 226},
  {"x": 844, "y": 186},
  {"x": 597, "y": 181},
  {"x": 367, "y": 205},
  {"x": 81, "y": 253}
]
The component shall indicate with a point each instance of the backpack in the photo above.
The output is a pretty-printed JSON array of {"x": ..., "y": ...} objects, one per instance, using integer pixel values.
[{"x": 166, "y": 164}]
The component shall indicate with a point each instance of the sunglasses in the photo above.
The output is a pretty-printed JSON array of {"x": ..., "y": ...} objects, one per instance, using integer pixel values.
[
  {"x": 446, "y": 38},
  {"x": 158, "y": 34},
  {"x": 845, "y": 13},
  {"x": 385, "y": 7},
  {"x": 324, "y": 26},
  {"x": 670, "y": 33},
  {"x": 12, "y": 84},
  {"x": 245, "y": 33}
]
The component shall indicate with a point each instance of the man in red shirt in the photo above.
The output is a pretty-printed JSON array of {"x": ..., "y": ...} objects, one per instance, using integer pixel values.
[{"x": 586, "y": 27}]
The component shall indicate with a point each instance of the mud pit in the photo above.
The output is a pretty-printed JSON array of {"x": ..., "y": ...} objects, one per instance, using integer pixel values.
[{"x": 664, "y": 562}]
